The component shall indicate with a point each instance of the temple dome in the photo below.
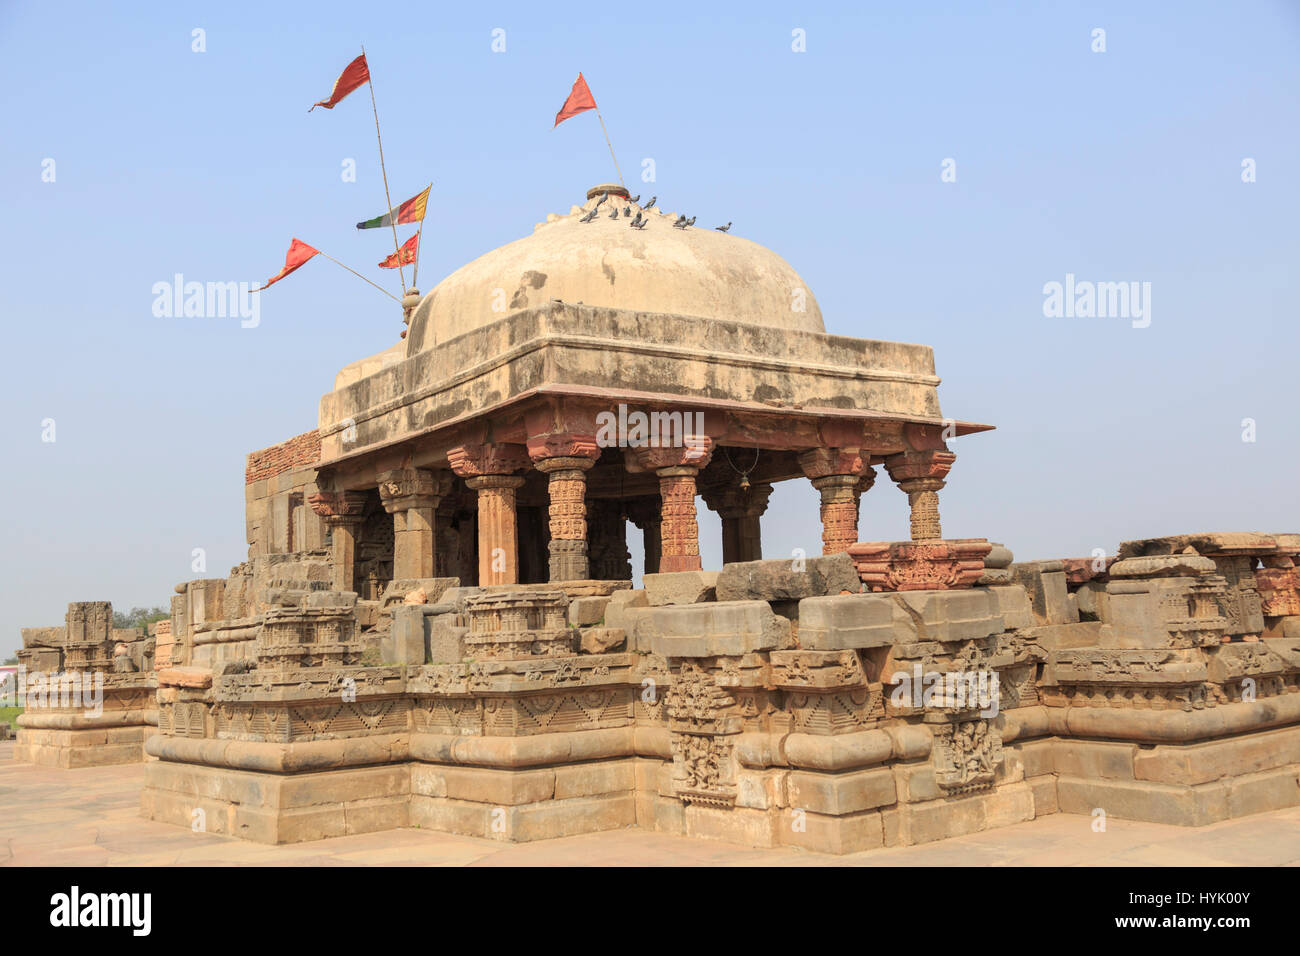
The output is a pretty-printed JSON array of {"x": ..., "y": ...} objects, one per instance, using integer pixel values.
[{"x": 605, "y": 263}]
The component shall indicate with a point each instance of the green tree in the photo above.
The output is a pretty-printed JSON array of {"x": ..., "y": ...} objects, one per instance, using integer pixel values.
[{"x": 140, "y": 616}]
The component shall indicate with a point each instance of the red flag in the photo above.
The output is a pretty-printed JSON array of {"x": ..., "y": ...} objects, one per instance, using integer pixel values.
[
  {"x": 299, "y": 253},
  {"x": 580, "y": 100},
  {"x": 353, "y": 75},
  {"x": 403, "y": 256}
]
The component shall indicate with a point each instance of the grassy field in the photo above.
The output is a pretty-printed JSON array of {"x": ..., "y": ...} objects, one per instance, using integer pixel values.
[{"x": 9, "y": 715}]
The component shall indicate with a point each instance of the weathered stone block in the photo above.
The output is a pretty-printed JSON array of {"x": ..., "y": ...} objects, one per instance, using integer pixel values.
[
  {"x": 1143, "y": 800},
  {"x": 1095, "y": 759},
  {"x": 1090, "y": 601},
  {"x": 1194, "y": 764},
  {"x": 912, "y": 823},
  {"x": 876, "y": 620},
  {"x": 601, "y": 640},
  {"x": 585, "y": 611},
  {"x": 841, "y": 793},
  {"x": 680, "y": 587},
  {"x": 619, "y": 603},
  {"x": 561, "y": 818},
  {"x": 594, "y": 778},
  {"x": 851, "y": 621},
  {"x": 999, "y": 556},
  {"x": 1044, "y": 581},
  {"x": 707, "y": 630},
  {"x": 407, "y": 640},
  {"x": 1013, "y": 605},
  {"x": 446, "y": 639},
  {"x": 820, "y": 833},
  {"x": 1162, "y": 566},
  {"x": 1043, "y": 789},
  {"x": 504, "y": 788},
  {"x": 915, "y": 782},
  {"x": 787, "y": 580},
  {"x": 1051, "y": 637}
]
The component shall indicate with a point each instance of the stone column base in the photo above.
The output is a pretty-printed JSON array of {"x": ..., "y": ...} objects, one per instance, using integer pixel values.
[
  {"x": 70, "y": 749},
  {"x": 519, "y": 806},
  {"x": 276, "y": 808},
  {"x": 514, "y": 806}
]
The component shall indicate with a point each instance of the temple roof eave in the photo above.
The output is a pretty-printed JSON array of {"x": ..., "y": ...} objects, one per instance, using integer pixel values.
[{"x": 777, "y": 414}]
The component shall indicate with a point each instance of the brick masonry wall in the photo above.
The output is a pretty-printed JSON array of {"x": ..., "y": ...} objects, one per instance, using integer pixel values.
[{"x": 297, "y": 452}]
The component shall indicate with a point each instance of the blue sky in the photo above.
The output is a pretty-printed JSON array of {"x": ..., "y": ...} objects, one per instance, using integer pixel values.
[{"x": 1115, "y": 166}]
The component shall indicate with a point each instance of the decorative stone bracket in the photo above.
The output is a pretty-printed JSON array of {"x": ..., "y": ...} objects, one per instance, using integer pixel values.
[{"x": 940, "y": 565}]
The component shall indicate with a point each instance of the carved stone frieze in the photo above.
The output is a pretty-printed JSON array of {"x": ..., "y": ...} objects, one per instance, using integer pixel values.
[{"x": 938, "y": 565}]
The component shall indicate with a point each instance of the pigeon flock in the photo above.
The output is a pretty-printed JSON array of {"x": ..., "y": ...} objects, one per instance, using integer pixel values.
[{"x": 640, "y": 221}]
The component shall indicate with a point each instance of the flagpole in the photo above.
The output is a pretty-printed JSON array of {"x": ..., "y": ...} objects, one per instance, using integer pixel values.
[
  {"x": 359, "y": 275},
  {"x": 419, "y": 242},
  {"x": 610, "y": 145},
  {"x": 391, "y": 221}
]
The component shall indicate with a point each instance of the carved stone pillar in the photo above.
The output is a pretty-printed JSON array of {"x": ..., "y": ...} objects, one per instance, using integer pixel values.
[
  {"x": 489, "y": 469},
  {"x": 343, "y": 512},
  {"x": 647, "y": 514},
  {"x": 677, "y": 468},
  {"x": 410, "y": 495},
  {"x": 567, "y": 487},
  {"x": 607, "y": 554},
  {"x": 498, "y": 536},
  {"x": 920, "y": 474},
  {"x": 680, "y": 529},
  {"x": 838, "y": 475},
  {"x": 564, "y": 449},
  {"x": 740, "y": 510}
]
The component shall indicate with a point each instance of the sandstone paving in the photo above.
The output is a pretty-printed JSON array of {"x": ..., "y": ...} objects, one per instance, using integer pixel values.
[{"x": 90, "y": 817}]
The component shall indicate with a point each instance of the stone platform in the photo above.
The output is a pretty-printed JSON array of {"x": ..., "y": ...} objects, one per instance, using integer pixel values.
[{"x": 45, "y": 821}]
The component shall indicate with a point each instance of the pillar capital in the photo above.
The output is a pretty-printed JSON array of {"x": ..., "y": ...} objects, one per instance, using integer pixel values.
[
  {"x": 824, "y": 462},
  {"x": 339, "y": 507},
  {"x": 343, "y": 511},
  {"x": 694, "y": 454},
  {"x": 930, "y": 464},
  {"x": 736, "y": 502},
  {"x": 480, "y": 482},
  {"x": 549, "y": 466},
  {"x": 487, "y": 458},
  {"x": 740, "y": 510},
  {"x": 403, "y": 489},
  {"x": 563, "y": 444}
]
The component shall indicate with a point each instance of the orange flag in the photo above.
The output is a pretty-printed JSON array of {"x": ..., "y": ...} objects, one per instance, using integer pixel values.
[
  {"x": 580, "y": 100},
  {"x": 298, "y": 255},
  {"x": 403, "y": 256},
  {"x": 354, "y": 75}
]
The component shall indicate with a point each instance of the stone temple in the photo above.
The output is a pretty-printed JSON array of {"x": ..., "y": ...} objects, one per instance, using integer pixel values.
[{"x": 436, "y": 625}]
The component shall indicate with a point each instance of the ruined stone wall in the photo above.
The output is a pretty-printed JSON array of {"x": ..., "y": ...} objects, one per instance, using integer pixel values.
[
  {"x": 772, "y": 703},
  {"x": 277, "y": 482},
  {"x": 291, "y": 455},
  {"x": 87, "y": 689}
]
